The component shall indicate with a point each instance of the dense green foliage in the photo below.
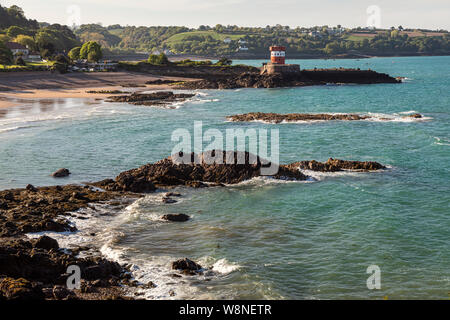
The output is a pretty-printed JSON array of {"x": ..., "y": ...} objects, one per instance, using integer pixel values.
[
  {"x": 226, "y": 40},
  {"x": 91, "y": 51},
  {"x": 217, "y": 41},
  {"x": 14, "y": 16},
  {"x": 6, "y": 56},
  {"x": 48, "y": 39},
  {"x": 160, "y": 59},
  {"x": 74, "y": 54}
]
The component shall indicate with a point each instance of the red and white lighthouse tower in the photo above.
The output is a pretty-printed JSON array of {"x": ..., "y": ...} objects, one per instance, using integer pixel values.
[{"x": 277, "y": 54}]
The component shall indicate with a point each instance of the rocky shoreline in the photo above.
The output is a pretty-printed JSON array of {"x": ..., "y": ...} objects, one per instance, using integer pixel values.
[
  {"x": 293, "y": 117},
  {"x": 37, "y": 268}
]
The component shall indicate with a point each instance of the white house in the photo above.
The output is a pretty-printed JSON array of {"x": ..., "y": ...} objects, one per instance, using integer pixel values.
[
  {"x": 34, "y": 56},
  {"x": 17, "y": 48},
  {"x": 227, "y": 40},
  {"x": 241, "y": 41}
]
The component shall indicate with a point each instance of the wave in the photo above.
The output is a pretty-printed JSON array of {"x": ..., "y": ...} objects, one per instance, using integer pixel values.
[
  {"x": 441, "y": 141},
  {"x": 14, "y": 128}
]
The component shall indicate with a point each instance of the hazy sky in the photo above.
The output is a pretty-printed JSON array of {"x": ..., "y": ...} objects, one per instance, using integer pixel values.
[{"x": 431, "y": 14}]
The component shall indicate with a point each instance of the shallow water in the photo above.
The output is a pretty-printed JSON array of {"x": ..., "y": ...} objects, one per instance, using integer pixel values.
[{"x": 267, "y": 239}]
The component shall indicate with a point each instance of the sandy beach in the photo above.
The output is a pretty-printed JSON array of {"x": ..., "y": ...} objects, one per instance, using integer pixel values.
[{"x": 46, "y": 85}]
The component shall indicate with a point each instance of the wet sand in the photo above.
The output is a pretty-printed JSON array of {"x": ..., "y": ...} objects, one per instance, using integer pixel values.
[{"x": 42, "y": 85}]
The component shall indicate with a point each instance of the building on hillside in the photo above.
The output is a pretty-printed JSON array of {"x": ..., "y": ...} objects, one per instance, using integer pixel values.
[
  {"x": 18, "y": 49},
  {"x": 227, "y": 40},
  {"x": 243, "y": 48}
]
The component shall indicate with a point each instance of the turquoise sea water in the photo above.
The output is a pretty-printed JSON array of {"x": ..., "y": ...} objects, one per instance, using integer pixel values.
[{"x": 291, "y": 240}]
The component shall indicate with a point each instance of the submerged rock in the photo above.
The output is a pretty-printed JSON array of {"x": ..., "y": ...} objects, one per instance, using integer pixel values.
[
  {"x": 291, "y": 117},
  {"x": 333, "y": 165},
  {"x": 177, "y": 217},
  {"x": 63, "y": 172},
  {"x": 186, "y": 264}
]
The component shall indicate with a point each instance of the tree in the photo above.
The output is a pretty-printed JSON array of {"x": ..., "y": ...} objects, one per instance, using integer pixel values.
[
  {"x": 6, "y": 56},
  {"x": 26, "y": 41},
  {"x": 91, "y": 51},
  {"x": 14, "y": 31},
  {"x": 224, "y": 62},
  {"x": 159, "y": 59},
  {"x": 74, "y": 54}
]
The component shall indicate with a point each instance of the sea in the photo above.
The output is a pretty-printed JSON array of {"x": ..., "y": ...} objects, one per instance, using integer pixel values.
[{"x": 331, "y": 237}]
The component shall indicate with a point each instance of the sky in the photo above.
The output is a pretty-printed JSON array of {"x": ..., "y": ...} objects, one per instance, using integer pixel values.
[{"x": 427, "y": 14}]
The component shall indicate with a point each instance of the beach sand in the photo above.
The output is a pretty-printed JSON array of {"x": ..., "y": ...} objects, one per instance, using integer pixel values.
[{"x": 46, "y": 85}]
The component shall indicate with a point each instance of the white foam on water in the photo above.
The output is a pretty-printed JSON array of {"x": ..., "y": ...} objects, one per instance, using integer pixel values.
[
  {"x": 268, "y": 180},
  {"x": 14, "y": 128},
  {"x": 320, "y": 176},
  {"x": 223, "y": 266},
  {"x": 441, "y": 141}
]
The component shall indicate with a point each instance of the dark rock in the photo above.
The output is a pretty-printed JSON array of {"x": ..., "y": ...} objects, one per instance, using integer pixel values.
[
  {"x": 177, "y": 217},
  {"x": 149, "y": 285},
  {"x": 46, "y": 242},
  {"x": 151, "y": 99},
  {"x": 172, "y": 194},
  {"x": 63, "y": 172},
  {"x": 186, "y": 264},
  {"x": 31, "y": 188},
  {"x": 19, "y": 289},
  {"x": 333, "y": 165},
  {"x": 234, "y": 167},
  {"x": 61, "y": 292},
  {"x": 168, "y": 200},
  {"x": 292, "y": 117}
]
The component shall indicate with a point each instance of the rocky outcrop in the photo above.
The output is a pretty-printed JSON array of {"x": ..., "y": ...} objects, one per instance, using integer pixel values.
[
  {"x": 302, "y": 78},
  {"x": 159, "y": 98},
  {"x": 41, "y": 209},
  {"x": 19, "y": 289},
  {"x": 294, "y": 117},
  {"x": 333, "y": 165},
  {"x": 28, "y": 268},
  {"x": 234, "y": 167},
  {"x": 217, "y": 168},
  {"x": 63, "y": 172},
  {"x": 186, "y": 265}
]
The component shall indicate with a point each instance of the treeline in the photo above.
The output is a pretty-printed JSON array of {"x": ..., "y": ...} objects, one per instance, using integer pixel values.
[
  {"x": 210, "y": 40},
  {"x": 48, "y": 40},
  {"x": 51, "y": 40}
]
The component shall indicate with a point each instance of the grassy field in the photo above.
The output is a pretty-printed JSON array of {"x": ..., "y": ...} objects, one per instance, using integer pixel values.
[
  {"x": 29, "y": 67},
  {"x": 180, "y": 37}
]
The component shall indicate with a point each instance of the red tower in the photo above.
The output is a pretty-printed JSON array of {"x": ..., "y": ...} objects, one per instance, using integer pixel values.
[{"x": 277, "y": 54}]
